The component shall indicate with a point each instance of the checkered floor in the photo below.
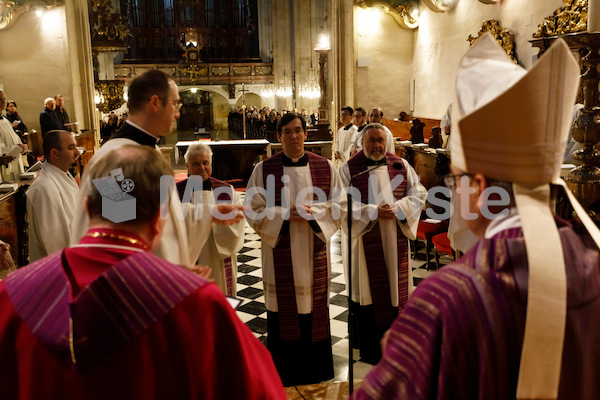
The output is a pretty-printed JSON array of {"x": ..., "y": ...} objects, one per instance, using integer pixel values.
[{"x": 253, "y": 312}]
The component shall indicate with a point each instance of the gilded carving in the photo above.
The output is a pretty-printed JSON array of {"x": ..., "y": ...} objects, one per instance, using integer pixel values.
[
  {"x": 220, "y": 71},
  {"x": 170, "y": 71},
  {"x": 396, "y": 9},
  {"x": 10, "y": 10},
  {"x": 570, "y": 18},
  {"x": 241, "y": 70},
  {"x": 263, "y": 70},
  {"x": 111, "y": 93},
  {"x": 194, "y": 71},
  {"x": 105, "y": 24},
  {"x": 122, "y": 72},
  {"x": 504, "y": 38}
]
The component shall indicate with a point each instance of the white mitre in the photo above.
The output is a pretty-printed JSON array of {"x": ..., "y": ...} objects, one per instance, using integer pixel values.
[{"x": 512, "y": 125}]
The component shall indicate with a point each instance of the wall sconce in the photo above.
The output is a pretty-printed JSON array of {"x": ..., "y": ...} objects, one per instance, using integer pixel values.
[{"x": 323, "y": 42}]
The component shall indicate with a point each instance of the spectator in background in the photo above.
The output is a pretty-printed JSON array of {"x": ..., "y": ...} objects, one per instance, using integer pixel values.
[
  {"x": 15, "y": 120},
  {"x": 435, "y": 141},
  {"x": 305, "y": 116},
  {"x": 48, "y": 119},
  {"x": 314, "y": 117},
  {"x": 416, "y": 132},
  {"x": 122, "y": 119},
  {"x": 61, "y": 113},
  {"x": 403, "y": 117}
]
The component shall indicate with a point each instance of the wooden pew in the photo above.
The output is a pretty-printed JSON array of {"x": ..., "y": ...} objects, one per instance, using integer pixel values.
[{"x": 401, "y": 129}]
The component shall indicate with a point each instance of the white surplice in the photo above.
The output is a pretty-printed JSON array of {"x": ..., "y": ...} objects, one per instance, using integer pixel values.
[
  {"x": 8, "y": 140},
  {"x": 411, "y": 205},
  {"x": 301, "y": 234},
  {"x": 343, "y": 142},
  {"x": 186, "y": 229},
  {"x": 224, "y": 241},
  {"x": 51, "y": 201}
]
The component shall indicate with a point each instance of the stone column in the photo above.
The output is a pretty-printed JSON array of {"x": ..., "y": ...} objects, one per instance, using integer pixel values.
[{"x": 82, "y": 71}]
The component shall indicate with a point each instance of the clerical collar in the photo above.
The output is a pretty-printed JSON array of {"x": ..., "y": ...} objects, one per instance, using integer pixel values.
[
  {"x": 348, "y": 126},
  {"x": 360, "y": 128},
  {"x": 1, "y": 116},
  {"x": 139, "y": 135},
  {"x": 373, "y": 162},
  {"x": 299, "y": 162}
]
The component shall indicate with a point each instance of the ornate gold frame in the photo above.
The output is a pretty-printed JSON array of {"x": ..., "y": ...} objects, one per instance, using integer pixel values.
[{"x": 504, "y": 38}]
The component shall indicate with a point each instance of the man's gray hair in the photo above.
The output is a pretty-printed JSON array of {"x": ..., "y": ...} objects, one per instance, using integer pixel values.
[
  {"x": 197, "y": 148},
  {"x": 48, "y": 99},
  {"x": 373, "y": 125}
]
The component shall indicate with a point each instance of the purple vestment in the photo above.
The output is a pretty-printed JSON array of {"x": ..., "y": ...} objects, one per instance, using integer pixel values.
[{"x": 461, "y": 332}]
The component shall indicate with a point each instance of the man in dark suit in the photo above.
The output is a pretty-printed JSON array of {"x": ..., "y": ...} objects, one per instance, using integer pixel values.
[{"x": 48, "y": 119}]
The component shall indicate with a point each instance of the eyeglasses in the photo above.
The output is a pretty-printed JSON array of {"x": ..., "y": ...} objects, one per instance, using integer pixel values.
[
  {"x": 450, "y": 179},
  {"x": 177, "y": 104}
]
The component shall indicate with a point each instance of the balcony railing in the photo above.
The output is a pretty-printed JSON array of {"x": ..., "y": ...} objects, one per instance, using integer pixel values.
[{"x": 203, "y": 73}]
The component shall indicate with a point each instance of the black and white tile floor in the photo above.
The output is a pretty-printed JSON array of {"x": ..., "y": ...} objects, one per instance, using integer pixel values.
[{"x": 253, "y": 312}]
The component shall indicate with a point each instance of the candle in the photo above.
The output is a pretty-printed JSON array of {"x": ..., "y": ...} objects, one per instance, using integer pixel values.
[{"x": 593, "y": 15}]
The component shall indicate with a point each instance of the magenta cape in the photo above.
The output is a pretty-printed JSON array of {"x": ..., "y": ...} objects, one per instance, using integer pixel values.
[{"x": 461, "y": 332}]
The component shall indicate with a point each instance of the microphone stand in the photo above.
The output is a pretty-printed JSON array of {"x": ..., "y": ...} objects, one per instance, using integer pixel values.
[{"x": 350, "y": 309}]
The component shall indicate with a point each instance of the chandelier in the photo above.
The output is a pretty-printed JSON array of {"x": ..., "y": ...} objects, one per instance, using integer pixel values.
[
  {"x": 267, "y": 92},
  {"x": 311, "y": 89},
  {"x": 285, "y": 87}
]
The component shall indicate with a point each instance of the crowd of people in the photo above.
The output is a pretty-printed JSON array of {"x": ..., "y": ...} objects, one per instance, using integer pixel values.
[
  {"x": 262, "y": 122},
  {"x": 126, "y": 309}
]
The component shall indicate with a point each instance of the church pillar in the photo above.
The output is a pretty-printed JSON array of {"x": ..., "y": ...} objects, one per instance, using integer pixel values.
[{"x": 82, "y": 72}]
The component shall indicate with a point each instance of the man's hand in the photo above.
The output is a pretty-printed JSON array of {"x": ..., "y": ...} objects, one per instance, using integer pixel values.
[
  {"x": 6, "y": 261},
  {"x": 337, "y": 155},
  {"x": 23, "y": 148},
  {"x": 223, "y": 216},
  {"x": 296, "y": 217},
  {"x": 202, "y": 271},
  {"x": 387, "y": 211}
]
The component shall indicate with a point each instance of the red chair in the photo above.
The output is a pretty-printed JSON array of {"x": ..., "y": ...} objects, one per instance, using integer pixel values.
[
  {"x": 427, "y": 230},
  {"x": 442, "y": 245}
]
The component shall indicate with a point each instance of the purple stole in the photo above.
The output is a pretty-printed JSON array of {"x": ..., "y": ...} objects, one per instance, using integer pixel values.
[
  {"x": 378, "y": 276},
  {"x": 112, "y": 311},
  {"x": 226, "y": 197},
  {"x": 282, "y": 259}
]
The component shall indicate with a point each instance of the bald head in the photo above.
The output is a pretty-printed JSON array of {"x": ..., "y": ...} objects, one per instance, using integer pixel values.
[{"x": 375, "y": 115}]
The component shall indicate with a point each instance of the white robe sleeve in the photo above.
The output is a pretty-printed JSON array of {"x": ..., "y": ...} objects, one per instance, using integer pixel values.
[
  {"x": 265, "y": 221},
  {"x": 413, "y": 202},
  {"x": 329, "y": 215},
  {"x": 229, "y": 239}
]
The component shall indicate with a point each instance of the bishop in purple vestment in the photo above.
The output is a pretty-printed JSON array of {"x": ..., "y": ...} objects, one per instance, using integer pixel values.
[{"x": 518, "y": 316}]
